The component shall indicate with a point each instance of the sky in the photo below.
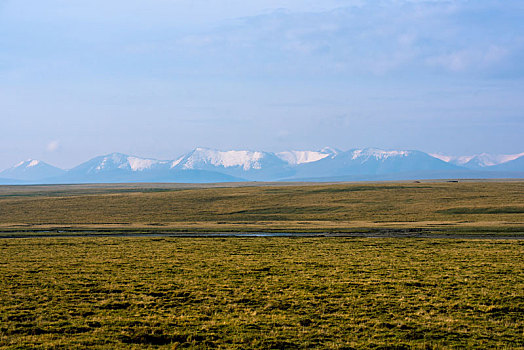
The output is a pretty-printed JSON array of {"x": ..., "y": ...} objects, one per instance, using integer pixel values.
[{"x": 157, "y": 78}]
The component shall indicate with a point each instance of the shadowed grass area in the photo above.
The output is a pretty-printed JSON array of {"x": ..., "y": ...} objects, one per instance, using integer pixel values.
[
  {"x": 261, "y": 293},
  {"x": 357, "y": 188},
  {"x": 325, "y": 208},
  {"x": 288, "y": 210},
  {"x": 501, "y": 210}
]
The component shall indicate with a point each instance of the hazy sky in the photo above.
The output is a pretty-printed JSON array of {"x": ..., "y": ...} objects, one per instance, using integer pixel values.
[{"x": 156, "y": 78}]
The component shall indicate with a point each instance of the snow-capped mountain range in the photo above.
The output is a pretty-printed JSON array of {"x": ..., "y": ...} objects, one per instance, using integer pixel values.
[
  {"x": 327, "y": 164},
  {"x": 31, "y": 170},
  {"x": 478, "y": 161}
]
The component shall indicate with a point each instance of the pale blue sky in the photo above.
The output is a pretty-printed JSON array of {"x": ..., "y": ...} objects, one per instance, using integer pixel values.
[{"x": 157, "y": 78}]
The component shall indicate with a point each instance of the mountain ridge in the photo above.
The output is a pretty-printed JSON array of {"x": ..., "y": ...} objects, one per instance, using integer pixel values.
[
  {"x": 480, "y": 160},
  {"x": 211, "y": 165},
  {"x": 30, "y": 170}
]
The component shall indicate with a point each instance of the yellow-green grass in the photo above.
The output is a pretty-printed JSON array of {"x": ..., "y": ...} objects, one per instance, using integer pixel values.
[
  {"x": 261, "y": 293},
  {"x": 460, "y": 207}
]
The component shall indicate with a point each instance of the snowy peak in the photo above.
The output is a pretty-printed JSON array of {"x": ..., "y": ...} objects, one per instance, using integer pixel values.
[
  {"x": 139, "y": 164},
  {"x": 31, "y": 169},
  {"x": 302, "y": 157},
  {"x": 330, "y": 151},
  {"x": 114, "y": 160},
  {"x": 205, "y": 157},
  {"x": 27, "y": 164},
  {"x": 119, "y": 161},
  {"x": 458, "y": 160},
  {"x": 371, "y": 162},
  {"x": 516, "y": 164},
  {"x": 477, "y": 161},
  {"x": 249, "y": 165},
  {"x": 485, "y": 159},
  {"x": 377, "y": 154}
]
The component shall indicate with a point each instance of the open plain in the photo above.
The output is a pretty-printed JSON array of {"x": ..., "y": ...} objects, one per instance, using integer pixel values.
[
  {"x": 349, "y": 292},
  {"x": 470, "y": 207}
]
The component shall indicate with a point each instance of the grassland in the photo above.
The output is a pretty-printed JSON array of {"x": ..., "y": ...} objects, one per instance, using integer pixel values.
[
  {"x": 452, "y": 207},
  {"x": 261, "y": 293}
]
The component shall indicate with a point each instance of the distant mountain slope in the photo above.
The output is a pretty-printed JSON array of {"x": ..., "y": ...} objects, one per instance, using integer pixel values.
[
  {"x": 371, "y": 161},
  {"x": 118, "y": 162},
  {"x": 31, "y": 170},
  {"x": 457, "y": 174},
  {"x": 4, "y": 181},
  {"x": 303, "y": 164},
  {"x": 302, "y": 157},
  {"x": 251, "y": 165},
  {"x": 203, "y": 165},
  {"x": 181, "y": 176},
  {"x": 118, "y": 167},
  {"x": 479, "y": 161},
  {"x": 513, "y": 165}
]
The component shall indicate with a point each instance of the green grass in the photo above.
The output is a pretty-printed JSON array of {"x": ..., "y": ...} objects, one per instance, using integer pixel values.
[{"x": 261, "y": 293}]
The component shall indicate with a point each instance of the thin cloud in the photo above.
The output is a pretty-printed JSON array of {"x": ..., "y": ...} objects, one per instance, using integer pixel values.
[{"x": 53, "y": 146}]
